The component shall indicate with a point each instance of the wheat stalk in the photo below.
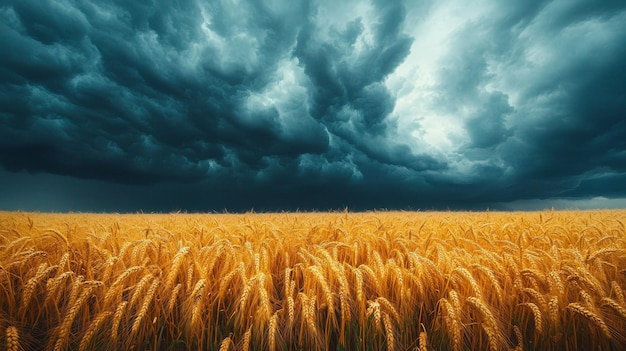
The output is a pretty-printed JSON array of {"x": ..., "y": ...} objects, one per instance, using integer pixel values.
[
  {"x": 52, "y": 286},
  {"x": 63, "y": 262}
]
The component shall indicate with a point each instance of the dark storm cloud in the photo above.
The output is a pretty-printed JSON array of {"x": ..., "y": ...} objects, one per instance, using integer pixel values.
[
  {"x": 280, "y": 104},
  {"x": 566, "y": 124},
  {"x": 581, "y": 108}
]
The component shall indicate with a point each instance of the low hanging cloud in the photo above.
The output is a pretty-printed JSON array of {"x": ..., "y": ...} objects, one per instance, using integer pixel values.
[{"x": 314, "y": 104}]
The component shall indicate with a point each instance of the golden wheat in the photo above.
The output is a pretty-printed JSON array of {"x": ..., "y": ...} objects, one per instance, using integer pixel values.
[
  {"x": 64, "y": 328},
  {"x": 423, "y": 341},
  {"x": 225, "y": 345},
  {"x": 391, "y": 341},
  {"x": 273, "y": 327},
  {"x": 536, "y": 316},
  {"x": 619, "y": 293},
  {"x": 176, "y": 263},
  {"x": 553, "y": 310},
  {"x": 452, "y": 322},
  {"x": 196, "y": 296},
  {"x": 489, "y": 322},
  {"x": 519, "y": 338},
  {"x": 94, "y": 327},
  {"x": 117, "y": 319},
  {"x": 379, "y": 280},
  {"x": 144, "y": 306},
  {"x": 591, "y": 316},
  {"x": 13, "y": 339},
  {"x": 607, "y": 301}
]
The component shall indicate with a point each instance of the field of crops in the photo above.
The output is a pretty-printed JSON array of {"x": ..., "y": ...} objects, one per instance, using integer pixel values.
[{"x": 313, "y": 281}]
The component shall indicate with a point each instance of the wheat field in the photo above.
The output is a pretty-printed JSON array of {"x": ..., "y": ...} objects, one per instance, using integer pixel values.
[{"x": 314, "y": 281}]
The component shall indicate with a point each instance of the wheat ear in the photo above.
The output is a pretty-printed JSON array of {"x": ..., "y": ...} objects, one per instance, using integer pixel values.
[
  {"x": 173, "y": 298},
  {"x": 246, "y": 339},
  {"x": 273, "y": 327},
  {"x": 325, "y": 288},
  {"x": 290, "y": 310},
  {"x": 265, "y": 299},
  {"x": 555, "y": 282},
  {"x": 541, "y": 301},
  {"x": 225, "y": 345},
  {"x": 391, "y": 341},
  {"x": 619, "y": 293},
  {"x": 423, "y": 341},
  {"x": 607, "y": 301},
  {"x": 553, "y": 309},
  {"x": 452, "y": 322},
  {"x": 93, "y": 328},
  {"x": 490, "y": 326},
  {"x": 455, "y": 301},
  {"x": 31, "y": 286},
  {"x": 358, "y": 276},
  {"x": 117, "y": 318},
  {"x": 520, "y": 340},
  {"x": 536, "y": 315},
  {"x": 176, "y": 262},
  {"x": 138, "y": 289},
  {"x": 470, "y": 278},
  {"x": 590, "y": 315},
  {"x": 13, "y": 339},
  {"x": 196, "y": 295},
  {"x": 389, "y": 307},
  {"x": 373, "y": 309},
  {"x": 144, "y": 306},
  {"x": 64, "y": 329}
]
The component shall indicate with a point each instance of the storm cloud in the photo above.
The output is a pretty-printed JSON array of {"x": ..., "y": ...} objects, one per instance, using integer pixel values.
[{"x": 283, "y": 105}]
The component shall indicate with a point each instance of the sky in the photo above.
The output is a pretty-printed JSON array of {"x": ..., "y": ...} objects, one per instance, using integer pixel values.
[{"x": 272, "y": 105}]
